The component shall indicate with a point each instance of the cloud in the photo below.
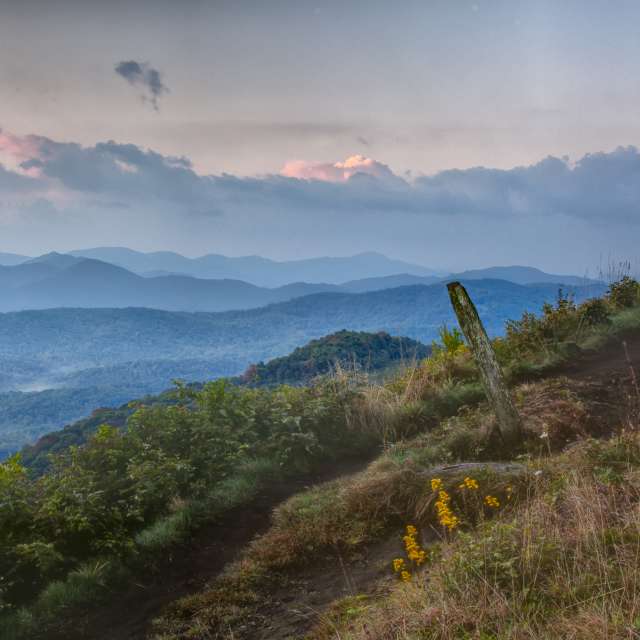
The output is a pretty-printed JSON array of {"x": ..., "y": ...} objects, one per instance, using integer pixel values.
[
  {"x": 144, "y": 77},
  {"x": 13, "y": 184},
  {"x": 552, "y": 208},
  {"x": 18, "y": 147},
  {"x": 338, "y": 171},
  {"x": 599, "y": 187}
]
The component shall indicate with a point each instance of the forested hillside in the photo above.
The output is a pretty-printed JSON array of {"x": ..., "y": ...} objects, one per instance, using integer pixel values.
[
  {"x": 350, "y": 350},
  {"x": 32, "y": 414},
  {"x": 62, "y": 280},
  {"x": 113, "y": 336}
]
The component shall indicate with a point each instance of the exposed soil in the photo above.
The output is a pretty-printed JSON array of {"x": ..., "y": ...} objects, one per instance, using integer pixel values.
[
  {"x": 608, "y": 363},
  {"x": 603, "y": 379},
  {"x": 292, "y": 609},
  {"x": 607, "y": 380}
]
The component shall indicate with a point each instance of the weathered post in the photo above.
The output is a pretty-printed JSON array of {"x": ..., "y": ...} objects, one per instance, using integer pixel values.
[{"x": 485, "y": 357}]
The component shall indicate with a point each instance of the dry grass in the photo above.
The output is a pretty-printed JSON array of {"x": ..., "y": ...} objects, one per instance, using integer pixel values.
[
  {"x": 551, "y": 559},
  {"x": 565, "y": 564}
]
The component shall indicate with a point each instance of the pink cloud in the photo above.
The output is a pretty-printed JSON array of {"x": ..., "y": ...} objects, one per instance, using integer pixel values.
[
  {"x": 336, "y": 172},
  {"x": 19, "y": 147}
]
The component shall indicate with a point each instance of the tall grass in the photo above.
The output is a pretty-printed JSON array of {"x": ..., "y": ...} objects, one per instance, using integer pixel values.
[
  {"x": 231, "y": 492},
  {"x": 89, "y": 583}
]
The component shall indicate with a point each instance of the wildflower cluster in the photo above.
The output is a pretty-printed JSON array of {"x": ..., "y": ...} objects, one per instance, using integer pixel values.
[
  {"x": 469, "y": 483},
  {"x": 400, "y": 568},
  {"x": 492, "y": 501},
  {"x": 415, "y": 552},
  {"x": 446, "y": 517}
]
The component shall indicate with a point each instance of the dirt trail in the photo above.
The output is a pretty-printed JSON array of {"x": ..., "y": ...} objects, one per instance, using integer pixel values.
[
  {"x": 603, "y": 376},
  {"x": 607, "y": 363},
  {"x": 604, "y": 379},
  {"x": 190, "y": 566}
]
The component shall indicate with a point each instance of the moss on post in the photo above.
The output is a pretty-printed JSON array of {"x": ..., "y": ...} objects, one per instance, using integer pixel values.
[{"x": 485, "y": 357}]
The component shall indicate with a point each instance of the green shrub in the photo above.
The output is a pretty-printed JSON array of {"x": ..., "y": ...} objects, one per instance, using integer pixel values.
[
  {"x": 625, "y": 293},
  {"x": 595, "y": 312}
]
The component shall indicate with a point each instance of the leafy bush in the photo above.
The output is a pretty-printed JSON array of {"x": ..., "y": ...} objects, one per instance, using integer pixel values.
[
  {"x": 452, "y": 342},
  {"x": 625, "y": 293},
  {"x": 595, "y": 312},
  {"x": 96, "y": 500}
]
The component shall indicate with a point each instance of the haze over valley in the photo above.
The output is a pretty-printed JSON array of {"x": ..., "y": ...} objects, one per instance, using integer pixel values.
[{"x": 79, "y": 332}]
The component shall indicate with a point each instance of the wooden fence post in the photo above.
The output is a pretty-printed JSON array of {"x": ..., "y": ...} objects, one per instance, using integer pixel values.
[{"x": 485, "y": 357}]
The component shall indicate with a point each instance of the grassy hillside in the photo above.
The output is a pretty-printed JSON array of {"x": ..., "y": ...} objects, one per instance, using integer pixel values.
[{"x": 515, "y": 526}]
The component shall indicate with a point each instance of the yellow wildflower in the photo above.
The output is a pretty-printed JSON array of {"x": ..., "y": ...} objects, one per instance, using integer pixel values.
[
  {"x": 398, "y": 564},
  {"x": 446, "y": 517},
  {"x": 469, "y": 483},
  {"x": 406, "y": 576},
  {"x": 436, "y": 483},
  {"x": 492, "y": 501},
  {"x": 414, "y": 551}
]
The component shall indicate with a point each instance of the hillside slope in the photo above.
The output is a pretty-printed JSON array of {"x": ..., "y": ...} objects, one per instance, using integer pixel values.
[
  {"x": 11, "y": 259},
  {"x": 345, "y": 586},
  {"x": 365, "y": 352},
  {"x": 521, "y": 275},
  {"x": 63, "y": 280},
  {"x": 42, "y": 414},
  {"x": 295, "y": 565}
]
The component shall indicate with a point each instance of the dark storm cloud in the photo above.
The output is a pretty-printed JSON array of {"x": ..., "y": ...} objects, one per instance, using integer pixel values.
[{"x": 144, "y": 77}]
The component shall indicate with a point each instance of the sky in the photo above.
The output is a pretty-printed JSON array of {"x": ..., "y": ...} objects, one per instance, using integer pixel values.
[{"x": 451, "y": 133}]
